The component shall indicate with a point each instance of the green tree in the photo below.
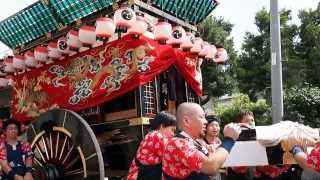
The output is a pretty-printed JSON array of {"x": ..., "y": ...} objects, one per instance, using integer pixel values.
[
  {"x": 308, "y": 48},
  {"x": 253, "y": 69},
  {"x": 260, "y": 109},
  {"x": 217, "y": 79},
  {"x": 303, "y": 105}
]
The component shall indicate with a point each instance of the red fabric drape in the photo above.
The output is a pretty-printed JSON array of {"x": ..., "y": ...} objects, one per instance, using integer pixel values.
[{"x": 98, "y": 75}]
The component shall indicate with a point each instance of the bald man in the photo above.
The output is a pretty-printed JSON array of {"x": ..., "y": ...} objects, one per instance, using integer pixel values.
[{"x": 184, "y": 157}]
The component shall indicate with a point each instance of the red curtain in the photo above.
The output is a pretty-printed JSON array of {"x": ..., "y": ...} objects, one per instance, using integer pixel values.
[{"x": 98, "y": 75}]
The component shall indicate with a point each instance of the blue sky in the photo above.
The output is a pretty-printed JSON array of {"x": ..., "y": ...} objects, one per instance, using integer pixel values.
[{"x": 238, "y": 12}]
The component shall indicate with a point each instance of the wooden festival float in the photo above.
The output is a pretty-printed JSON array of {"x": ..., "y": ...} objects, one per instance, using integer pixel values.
[{"x": 88, "y": 75}]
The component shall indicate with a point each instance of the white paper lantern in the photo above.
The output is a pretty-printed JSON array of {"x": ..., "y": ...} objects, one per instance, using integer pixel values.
[
  {"x": 162, "y": 32},
  {"x": 222, "y": 56},
  {"x": 8, "y": 68},
  {"x": 73, "y": 41},
  {"x": 105, "y": 27},
  {"x": 139, "y": 27},
  {"x": 63, "y": 46},
  {"x": 205, "y": 50},
  {"x": 87, "y": 35},
  {"x": 2, "y": 73},
  {"x": 30, "y": 61},
  {"x": 197, "y": 47},
  {"x": 211, "y": 52},
  {"x": 4, "y": 82},
  {"x": 188, "y": 42},
  {"x": 18, "y": 62},
  {"x": 53, "y": 51},
  {"x": 178, "y": 36},
  {"x": 124, "y": 17},
  {"x": 41, "y": 54}
]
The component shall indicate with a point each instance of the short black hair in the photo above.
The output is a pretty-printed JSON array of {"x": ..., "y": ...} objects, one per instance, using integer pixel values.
[
  {"x": 12, "y": 121},
  {"x": 163, "y": 118},
  {"x": 211, "y": 118},
  {"x": 241, "y": 114}
]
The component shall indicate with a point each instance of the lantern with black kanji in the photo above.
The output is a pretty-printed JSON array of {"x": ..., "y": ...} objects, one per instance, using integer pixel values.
[
  {"x": 124, "y": 18},
  {"x": 63, "y": 46},
  {"x": 177, "y": 37}
]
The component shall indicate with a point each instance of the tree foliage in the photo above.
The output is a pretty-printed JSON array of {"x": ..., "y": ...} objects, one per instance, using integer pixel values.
[
  {"x": 303, "y": 104},
  {"x": 217, "y": 79},
  {"x": 260, "y": 109},
  {"x": 253, "y": 67}
]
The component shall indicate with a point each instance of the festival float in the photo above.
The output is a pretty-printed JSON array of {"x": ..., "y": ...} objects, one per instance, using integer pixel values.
[{"x": 87, "y": 77}]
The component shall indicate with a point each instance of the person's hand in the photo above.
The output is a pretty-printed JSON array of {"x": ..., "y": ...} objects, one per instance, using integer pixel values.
[
  {"x": 232, "y": 130},
  {"x": 18, "y": 177},
  {"x": 28, "y": 176},
  {"x": 290, "y": 142}
]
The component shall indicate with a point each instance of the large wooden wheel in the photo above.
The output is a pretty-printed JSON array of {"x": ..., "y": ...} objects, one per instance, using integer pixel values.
[{"x": 65, "y": 147}]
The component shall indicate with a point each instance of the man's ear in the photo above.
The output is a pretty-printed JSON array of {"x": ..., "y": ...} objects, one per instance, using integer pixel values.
[{"x": 186, "y": 120}]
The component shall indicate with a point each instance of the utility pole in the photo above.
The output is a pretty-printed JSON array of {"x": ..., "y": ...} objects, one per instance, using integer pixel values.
[{"x": 276, "y": 66}]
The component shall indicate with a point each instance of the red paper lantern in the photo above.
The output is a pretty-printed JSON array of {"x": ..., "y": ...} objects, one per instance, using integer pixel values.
[
  {"x": 30, "y": 61},
  {"x": 73, "y": 41},
  {"x": 41, "y": 54},
  {"x": 124, "y": 18},
  {"x": 8, "y": 65},
  {"x": 87, "y": 35},
  {"x": 18, "y": 62},
  {"x": 105, "y": 27},
  {"x": 162, "y": 32}
]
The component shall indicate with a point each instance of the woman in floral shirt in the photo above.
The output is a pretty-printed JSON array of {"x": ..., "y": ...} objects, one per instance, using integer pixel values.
[
  {"x": 15, "y": 156},
  {"x": 147, "y": 163}
]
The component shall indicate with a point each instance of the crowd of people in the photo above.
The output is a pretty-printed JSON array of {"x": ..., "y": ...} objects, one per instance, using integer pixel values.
[{"x": 188, "y": 146}]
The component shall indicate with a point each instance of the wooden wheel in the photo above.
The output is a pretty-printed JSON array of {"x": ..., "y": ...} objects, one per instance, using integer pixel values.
[{"x": 65, "y": 147}]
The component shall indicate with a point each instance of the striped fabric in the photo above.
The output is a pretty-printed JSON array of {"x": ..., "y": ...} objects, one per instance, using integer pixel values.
[
  {"x": 193, "y": 11},
  {"x": 40, "y": 18}
]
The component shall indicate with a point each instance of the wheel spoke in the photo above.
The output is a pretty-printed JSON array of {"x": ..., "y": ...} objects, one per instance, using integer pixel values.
[
  {"x": 73, "y": 162},
  {"x": 51, "y": 148},
  {"x": 45, "y": 147},
  {"x": 37, "y": 162},
  {"x": 40, "y": 152},
  {"x": 68, "y": 154},
  {"x": 57, "y": 144},
  {"x": 74, "y": 172},
  {"x": 64, "y": 144}
]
